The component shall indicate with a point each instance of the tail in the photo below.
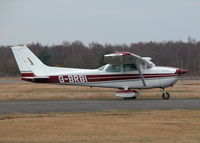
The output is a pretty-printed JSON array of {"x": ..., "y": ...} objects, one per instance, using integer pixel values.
[{"x": 29, "y": 65}]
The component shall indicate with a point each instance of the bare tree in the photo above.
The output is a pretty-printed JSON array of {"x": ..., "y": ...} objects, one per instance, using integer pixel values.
[{"x": 76, "y": 54}]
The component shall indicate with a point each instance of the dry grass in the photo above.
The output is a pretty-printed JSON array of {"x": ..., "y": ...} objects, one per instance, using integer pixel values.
[
  {"x": 175, "y": 126},
  {"x": 32, "y": 91}
]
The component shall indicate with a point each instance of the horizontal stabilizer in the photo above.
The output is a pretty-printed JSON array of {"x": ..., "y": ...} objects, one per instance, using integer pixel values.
[{"x": 41, "y": 79}]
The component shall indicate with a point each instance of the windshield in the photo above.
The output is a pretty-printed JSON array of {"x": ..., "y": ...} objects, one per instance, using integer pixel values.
[
  {"x": 150, "y": 64},
  {"x": 101, "y": 68}
]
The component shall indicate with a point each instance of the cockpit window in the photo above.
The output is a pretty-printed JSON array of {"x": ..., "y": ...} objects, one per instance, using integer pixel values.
[
  {"x": 150, "y": 64},
  {"x": 113, "y": 68},
  {"x": 129, "y": 67}
]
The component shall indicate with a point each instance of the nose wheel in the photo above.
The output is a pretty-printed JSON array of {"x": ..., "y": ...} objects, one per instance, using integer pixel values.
[{"x": 165, "y": 95}]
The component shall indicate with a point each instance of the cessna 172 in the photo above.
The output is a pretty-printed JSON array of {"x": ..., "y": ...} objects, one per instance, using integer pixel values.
[{"x": 125, "y": 71}]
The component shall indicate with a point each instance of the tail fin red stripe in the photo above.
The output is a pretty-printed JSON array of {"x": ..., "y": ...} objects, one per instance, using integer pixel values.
[{"x": 27, "y": 74}]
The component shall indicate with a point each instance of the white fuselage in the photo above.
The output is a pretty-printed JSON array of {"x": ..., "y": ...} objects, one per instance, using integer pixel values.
[{"x": 155, "y": 77}]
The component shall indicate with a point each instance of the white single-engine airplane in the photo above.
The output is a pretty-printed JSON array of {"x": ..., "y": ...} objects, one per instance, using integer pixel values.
[{"x": 125, "y": 71}]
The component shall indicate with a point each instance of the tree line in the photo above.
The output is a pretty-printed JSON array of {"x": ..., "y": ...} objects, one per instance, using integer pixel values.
[{"x": 75, "y": 54}]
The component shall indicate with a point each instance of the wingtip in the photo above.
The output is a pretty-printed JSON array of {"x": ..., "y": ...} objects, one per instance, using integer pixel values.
[{"x": 17, "y": 47}]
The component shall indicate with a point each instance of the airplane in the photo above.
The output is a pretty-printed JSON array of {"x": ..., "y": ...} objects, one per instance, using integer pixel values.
[{"x": 124, "y": 70}]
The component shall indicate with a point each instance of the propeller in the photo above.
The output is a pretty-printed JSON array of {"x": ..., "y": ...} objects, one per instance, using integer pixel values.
[{"x": 180, "y": 72}]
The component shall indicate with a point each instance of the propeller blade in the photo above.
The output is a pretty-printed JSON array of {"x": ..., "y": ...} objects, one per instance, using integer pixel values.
[{"x": 181, "y": 72}]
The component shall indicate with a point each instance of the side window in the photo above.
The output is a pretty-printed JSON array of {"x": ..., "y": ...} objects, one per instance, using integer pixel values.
[
  {"x": 113, "y": 68},
  {"x": 129, "y": 67}
]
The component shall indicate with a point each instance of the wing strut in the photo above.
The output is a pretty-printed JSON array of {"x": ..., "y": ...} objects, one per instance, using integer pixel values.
[{"x": 140, "y": 72}]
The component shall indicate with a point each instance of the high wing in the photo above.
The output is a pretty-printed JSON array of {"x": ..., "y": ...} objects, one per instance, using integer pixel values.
[
  {"x": 125, "y": 58},
  {"x": 129, "y": 58}
]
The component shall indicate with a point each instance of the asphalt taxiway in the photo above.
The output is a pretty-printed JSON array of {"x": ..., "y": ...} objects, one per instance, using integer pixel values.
[{"x": 9, "y": 107}]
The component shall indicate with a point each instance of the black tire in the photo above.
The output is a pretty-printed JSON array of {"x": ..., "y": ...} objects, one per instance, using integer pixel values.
[
  {"x": 165, "y": 96},
  {"x": 129, "y": 98}
]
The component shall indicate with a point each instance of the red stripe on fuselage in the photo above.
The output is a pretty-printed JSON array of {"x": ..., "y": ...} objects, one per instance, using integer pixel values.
[
  {"x": 127, "y": 77},
  {"x": 117, "y": 75},
  {"x": 100, "y": 78}
]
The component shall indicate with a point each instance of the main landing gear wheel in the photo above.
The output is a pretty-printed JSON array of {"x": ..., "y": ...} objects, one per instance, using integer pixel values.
[
  {"x": 127, "y": 94},
  {"x": 128, "y": 98},
  {"x": 165, "y": 95}
]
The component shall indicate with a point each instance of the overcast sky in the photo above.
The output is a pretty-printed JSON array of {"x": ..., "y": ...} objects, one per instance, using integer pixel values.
[{"x": 104, "y": 21}]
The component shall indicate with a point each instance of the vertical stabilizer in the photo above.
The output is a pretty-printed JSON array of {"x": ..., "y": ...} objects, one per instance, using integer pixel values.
[{"x": 29, "y": 65}]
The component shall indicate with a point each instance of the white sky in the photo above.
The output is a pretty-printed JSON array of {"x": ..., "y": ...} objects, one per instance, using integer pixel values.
[{"x": 104, "y": 21}]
